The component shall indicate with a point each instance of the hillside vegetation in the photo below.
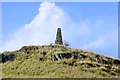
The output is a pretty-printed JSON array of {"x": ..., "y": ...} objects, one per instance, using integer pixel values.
[{"x": 57, "y": 61}]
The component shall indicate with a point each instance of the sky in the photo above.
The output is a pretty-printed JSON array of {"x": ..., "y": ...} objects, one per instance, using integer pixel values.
[{"x": 91, "y": 26}]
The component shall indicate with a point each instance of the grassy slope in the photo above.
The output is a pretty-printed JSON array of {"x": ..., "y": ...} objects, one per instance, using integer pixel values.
[
  {"x": 29, "y": 65},
  {"x": 0, "y": 71}
]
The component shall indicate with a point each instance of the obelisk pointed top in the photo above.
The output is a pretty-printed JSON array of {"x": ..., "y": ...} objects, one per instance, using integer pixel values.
[{"x": 59, "y": 37}]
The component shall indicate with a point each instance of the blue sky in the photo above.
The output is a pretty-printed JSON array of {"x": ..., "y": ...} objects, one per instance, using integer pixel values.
[{"x": 90, "y": 26}]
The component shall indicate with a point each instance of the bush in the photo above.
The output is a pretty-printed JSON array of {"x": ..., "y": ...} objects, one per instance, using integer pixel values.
[{"x": 66, "y": 43}]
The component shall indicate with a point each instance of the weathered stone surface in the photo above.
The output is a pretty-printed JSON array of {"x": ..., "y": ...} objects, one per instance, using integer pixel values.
[
  {"x": 22, "y": 51},
  {"x": 8, "y": 57},
  {"x": 59, "y": 37},
  {"x": 96, "y": 58},
  {"x": 66, "y": 55},
  {"x": 104, "y": 61},
  {"x": 116, "y": 61},
  {"x": 76, "y": 55},
  {"x": 99, "y": 59},
  {"x": 60, "y": 56},
  {"x": 27, "y": 49}
]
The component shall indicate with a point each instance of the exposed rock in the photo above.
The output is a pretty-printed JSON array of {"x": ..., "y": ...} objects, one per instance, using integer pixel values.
[
  {"x": 27, "y": 49},
  {"x": 76, "y": 55},
  {"x": 23, "y": 51},
  {"x": 66, "y": 55},
  {"x": 8, "y": 57},
  {"x": 116, "y": 61},
  {"x": 105, "y": 62},
  {"x": 60, "y": 56},
  {"x": 54, "y": 58},
  {"x": 97, "y": 58},
  {"x": 41, "y": 55}
]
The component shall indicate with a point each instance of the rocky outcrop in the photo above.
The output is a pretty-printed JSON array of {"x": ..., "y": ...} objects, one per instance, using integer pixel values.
[
  {"x": 116, "y": 61},
  {"x": 23, "y": 51},
  {"x": 78, "y": 56},
  {"x": 27, "y": 49},
  {"x": 96, "y": 58},
  {"x": 8, "y": 57},
  {"x": 99, "y": 59},
  {"x": 60, "y": 56},
  {"x": 42, "y": 55}
]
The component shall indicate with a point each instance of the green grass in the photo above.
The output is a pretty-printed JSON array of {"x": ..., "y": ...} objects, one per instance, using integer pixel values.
[
  {"x": 28, "y": 65},
  {"x": 50, "y": 69}
]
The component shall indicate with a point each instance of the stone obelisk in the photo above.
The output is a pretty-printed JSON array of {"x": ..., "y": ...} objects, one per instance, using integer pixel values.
[{"x": 59, "y": 37}]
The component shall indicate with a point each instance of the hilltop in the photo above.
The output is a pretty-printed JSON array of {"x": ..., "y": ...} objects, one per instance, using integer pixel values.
[{"x": 57, "y": 61}]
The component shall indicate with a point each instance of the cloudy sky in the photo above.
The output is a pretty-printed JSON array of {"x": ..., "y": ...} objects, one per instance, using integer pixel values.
[{"x": 89, "y": 26}]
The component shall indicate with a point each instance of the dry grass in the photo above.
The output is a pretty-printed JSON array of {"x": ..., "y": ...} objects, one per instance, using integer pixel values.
[
  {"x": 29, "y": 65},
  {"x": 0, "y": 71}
]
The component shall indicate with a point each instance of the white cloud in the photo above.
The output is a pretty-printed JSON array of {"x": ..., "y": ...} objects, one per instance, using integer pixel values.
[
  {"x": 106, "y": 44},
  {"x": 102, "y": 41},
  {"x": 89, "y": 35},
  {"x": 41, "y": 30}
]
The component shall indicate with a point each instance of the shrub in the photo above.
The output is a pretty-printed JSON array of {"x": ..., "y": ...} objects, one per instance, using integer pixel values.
[{"x": 66, "y": 43}]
